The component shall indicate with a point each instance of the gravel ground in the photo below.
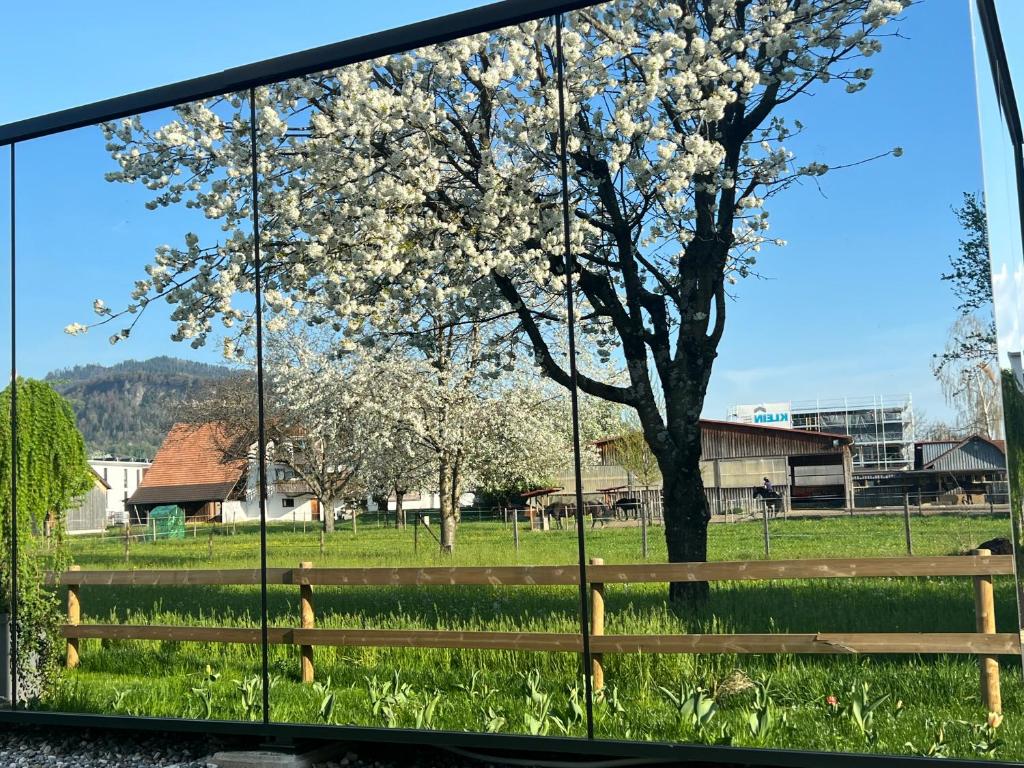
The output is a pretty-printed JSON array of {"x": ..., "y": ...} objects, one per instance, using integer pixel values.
[
  {"x": 26, "y": 747},
  {"x": 37, "y": 748}
]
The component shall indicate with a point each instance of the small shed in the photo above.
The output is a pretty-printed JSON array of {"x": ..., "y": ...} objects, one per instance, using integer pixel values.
[
  {"x": 974, "y": 468},
  {"x": 90, "y": 514}
]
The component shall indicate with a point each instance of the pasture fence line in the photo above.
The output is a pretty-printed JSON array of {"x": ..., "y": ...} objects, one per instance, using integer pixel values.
[{"x": 985, "y": 643}]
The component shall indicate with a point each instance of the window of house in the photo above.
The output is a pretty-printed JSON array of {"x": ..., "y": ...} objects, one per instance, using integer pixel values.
[{"x": 288, "y": 503}]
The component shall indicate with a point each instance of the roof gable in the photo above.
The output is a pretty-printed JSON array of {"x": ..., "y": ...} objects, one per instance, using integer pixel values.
[
  {"x": 973, "y": 452},
  {"x": 194, "y": 464}
]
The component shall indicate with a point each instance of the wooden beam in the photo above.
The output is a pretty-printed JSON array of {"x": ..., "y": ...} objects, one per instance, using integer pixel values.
[
  {"x": 428, "y": 638},
  {"x": 245, "y": 635},
  {"x": 817, "y": 643},
  {"x": 172, "y": 577},
  {"x": 804, "y": 569},
  {"x": 556, "y": 575},
  {"x": 813, "y": 643},
  {"x": 501, "y": 576}
]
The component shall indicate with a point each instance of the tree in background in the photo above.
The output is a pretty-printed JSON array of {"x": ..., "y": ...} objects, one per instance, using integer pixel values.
[
  {"x": 970, "y": 382},
  {"x": 52, "y": 476},
  {"x": 635, "y": 456},
  {"x": 926, "y": 428},
  {"x": 967, "y": 369},
  {"x": 433, "y": 175},
  {"x": 971, "y": 282}
]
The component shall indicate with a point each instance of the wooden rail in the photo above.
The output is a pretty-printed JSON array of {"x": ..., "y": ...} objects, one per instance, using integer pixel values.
[
  {"x": 556, "y": 575},
  {"x": 986, "y": 643}
]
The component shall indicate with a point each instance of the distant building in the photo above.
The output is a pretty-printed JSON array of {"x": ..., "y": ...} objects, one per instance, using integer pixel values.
[
  {"x": 121, "y": 476},
  {"x": 882, "y": 427},
  {"x": 971, "y": 470},
  {"x": 89, "y": 515},
  {"x": 196, "y": 469},
  {"x": 806, "y": 468},
  {"x": 413, "y": 501}
]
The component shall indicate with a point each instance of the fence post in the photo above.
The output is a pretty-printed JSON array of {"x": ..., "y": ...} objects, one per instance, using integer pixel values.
[
  {"x": 209, "y": 546},
  {"x": 597, "y": 626},
  {"x": 767, "y": 538},
  {"x": 906, "y": 522},
  {"x": 308, "y": 621},
  {"x": 321, "y": 543},
  {"x": 127, "y": 540},
  {"x": 74, "y": 617},
  {"x": 515, "y": 527},
  {"x": 985, "y": 616},
  {"x": 643, "y": 528}
]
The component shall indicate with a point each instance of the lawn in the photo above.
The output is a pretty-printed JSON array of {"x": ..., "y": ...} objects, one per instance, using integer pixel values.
[{"x": 928, "y": 703}]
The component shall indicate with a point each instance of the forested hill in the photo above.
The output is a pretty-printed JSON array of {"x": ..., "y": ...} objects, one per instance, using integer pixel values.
[{"x": 126, "y": 409}]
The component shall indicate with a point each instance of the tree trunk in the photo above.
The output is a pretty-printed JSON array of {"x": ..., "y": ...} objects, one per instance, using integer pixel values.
[
  {"x": 381, "y": 500},
  {"x": 399, "y": 508},
  {"x": 686, "y": 514},
  {"x": 327, "y": 514},
  {"x": 448, "y": 512}
]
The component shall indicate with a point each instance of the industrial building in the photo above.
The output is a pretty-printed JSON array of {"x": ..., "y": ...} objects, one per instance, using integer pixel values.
[{"x": 882, "y": 426}]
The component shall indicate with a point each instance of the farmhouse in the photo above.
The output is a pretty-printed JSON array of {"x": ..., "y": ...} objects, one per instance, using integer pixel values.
[
  {"x": 809, "y": 468},
  {"x": 207, "y": 472}
]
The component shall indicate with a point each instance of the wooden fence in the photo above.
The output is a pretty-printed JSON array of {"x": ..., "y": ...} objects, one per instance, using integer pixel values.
[{"x": 985, "y": 643}]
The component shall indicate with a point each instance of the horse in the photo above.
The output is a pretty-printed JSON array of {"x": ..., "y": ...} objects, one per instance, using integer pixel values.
[
  {"x": 561, "y": 512},
  {"x": 627, "y": 508},
  {"x": 772, "y": 500},
  {"x": 599, "y": 512}
]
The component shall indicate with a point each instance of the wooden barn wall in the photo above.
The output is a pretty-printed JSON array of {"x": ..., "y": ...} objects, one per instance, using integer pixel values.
[
  {"x": 91, "y": 514},
  {"x": 734, "y": 444}
]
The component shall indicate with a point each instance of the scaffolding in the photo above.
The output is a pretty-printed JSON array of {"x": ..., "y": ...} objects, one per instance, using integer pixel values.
[{"x": 882, "y": 428}]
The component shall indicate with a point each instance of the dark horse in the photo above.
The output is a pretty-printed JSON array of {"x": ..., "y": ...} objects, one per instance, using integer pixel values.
[
  {"x": 772, "y": 500},
  {"x": 627, "y": 508},
  {"x": 599, "y": 511}
]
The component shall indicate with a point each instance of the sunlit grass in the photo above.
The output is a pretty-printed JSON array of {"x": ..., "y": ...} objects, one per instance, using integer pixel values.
[{"x": 480, "y": 690}]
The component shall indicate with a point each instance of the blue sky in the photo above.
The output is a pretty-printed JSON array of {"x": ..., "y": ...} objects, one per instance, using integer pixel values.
[{"x": 852, "y": 306}]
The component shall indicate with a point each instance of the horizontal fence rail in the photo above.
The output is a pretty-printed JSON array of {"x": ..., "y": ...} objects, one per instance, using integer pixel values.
[
  {"x": 819, "y": 643},
  {"x": 986, "y": 643},
  {"x": 557, "y": 575}
]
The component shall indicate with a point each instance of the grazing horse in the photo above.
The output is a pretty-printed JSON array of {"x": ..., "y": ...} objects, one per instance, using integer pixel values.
[
  {"x": 772, "y": 500},
  {"x": 599, "y": 512},
  {"x": 561, "y": 512},
  {"x": 627, "y": 508}
]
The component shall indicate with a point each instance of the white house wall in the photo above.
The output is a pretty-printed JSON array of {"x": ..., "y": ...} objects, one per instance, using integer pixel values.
[
  {"x": 423, "y": 501},
  {"x": 123, "y": 477},
  {"x": 249, "y": 510}
]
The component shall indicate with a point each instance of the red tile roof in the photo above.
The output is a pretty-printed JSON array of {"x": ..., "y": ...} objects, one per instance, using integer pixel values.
[{"x": 193, "y": 464}]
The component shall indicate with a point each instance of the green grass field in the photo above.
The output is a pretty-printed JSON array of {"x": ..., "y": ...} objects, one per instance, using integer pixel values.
[{"x": 930, "y": 703}]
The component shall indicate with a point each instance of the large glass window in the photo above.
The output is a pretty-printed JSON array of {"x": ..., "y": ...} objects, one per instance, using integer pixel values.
[
  {"x": 464, "y": 389},
  {"x": 139, "y": 596}
]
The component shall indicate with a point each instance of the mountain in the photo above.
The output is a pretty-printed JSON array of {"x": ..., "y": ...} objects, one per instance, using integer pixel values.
[{"x": 127, "y": 408}]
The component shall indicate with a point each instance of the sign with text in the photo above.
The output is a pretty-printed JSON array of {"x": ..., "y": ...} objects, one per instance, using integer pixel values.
[{"x": 763, "y": 414}]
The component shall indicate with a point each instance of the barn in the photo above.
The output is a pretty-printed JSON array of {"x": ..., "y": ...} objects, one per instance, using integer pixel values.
[{"x": 807, "y": 468}]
